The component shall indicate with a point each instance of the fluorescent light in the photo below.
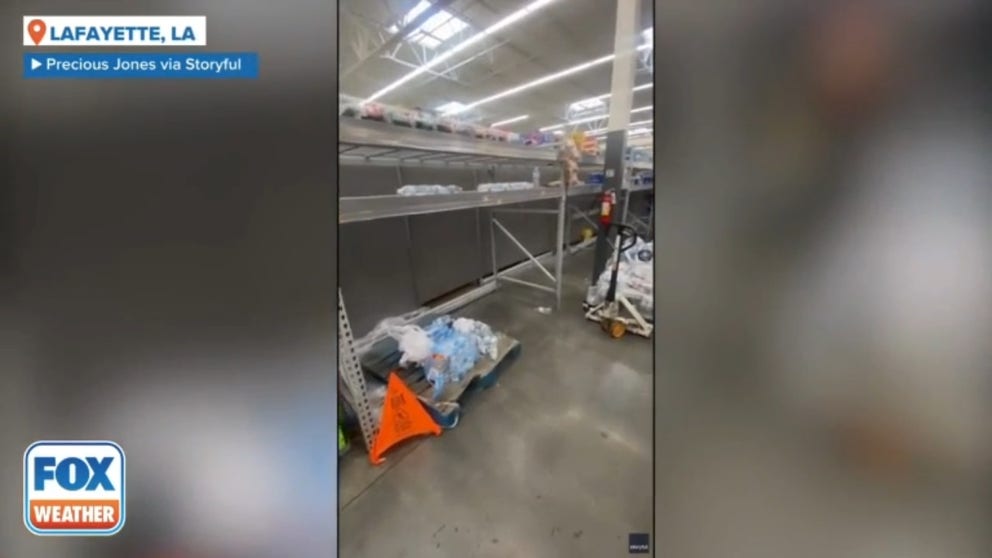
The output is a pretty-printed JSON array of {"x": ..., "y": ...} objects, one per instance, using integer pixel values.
[
  {"x": 605, "y": 96},
  {"x": 641, "y": 123},
  {"x": 494, "y": 28},
  {"x": 453, "y": 105},
  {"x": 590, "y": 119},
  {"x": 587, "y": 104},
  {"x": 629, "y": 126},
  {"x": 511, "y": 120},
  {"x": 546, "y": 79},
  {"x": 540, "y": 81}
]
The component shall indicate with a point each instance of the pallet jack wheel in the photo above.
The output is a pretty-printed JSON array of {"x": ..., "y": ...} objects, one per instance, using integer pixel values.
[{"x": 617, "y": 329}]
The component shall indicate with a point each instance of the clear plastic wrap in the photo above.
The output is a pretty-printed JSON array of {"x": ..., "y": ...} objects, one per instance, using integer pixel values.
[
  {"x": 415, "y": 344},
  {"x": 389, "y": 327},
  {"x": 482, "y": 334},
  {"x": 428, "y": 189},
  {"x": 504, "y": 186},
  {"x": 446, "y": 349},
  {"x": 635, "y": 279}
]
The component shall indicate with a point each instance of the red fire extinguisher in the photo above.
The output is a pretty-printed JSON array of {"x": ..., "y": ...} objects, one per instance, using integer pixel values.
[{"x": 608, "y": 200}]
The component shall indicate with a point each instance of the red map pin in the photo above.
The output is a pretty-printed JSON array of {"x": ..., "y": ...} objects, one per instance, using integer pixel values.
[{"x": 36, "y": 29}]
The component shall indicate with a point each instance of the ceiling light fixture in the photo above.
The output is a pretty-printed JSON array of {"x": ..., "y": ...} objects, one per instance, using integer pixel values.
[
  {"x": 605, "y": 96},
  {"x": 492, "y": 29},
  {"x": 453, "y": 105},
  {"x": 543, "y": 80},
  {"x": 590, "y": 119},
  {"x": 629, "y": 126},
  {"x": 587, "y": 104},
  {"x": 511, "y": 120}
]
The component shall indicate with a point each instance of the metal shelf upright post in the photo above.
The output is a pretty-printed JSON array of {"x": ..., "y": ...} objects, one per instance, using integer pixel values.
[{"x": 350, "y": 371}]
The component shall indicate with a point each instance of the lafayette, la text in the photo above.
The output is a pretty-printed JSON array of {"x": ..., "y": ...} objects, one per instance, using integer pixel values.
[{"x": 129, "y": 65}]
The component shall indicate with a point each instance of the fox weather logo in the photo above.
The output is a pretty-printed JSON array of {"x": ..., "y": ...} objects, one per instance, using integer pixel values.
[{"x": 74, "y": 488}]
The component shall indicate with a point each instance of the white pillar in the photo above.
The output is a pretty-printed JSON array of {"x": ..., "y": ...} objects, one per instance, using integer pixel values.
[{"x": 625, "y": 42}]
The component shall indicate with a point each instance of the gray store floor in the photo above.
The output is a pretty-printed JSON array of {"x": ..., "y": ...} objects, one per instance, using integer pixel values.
[{"x": 555, "y": 460}]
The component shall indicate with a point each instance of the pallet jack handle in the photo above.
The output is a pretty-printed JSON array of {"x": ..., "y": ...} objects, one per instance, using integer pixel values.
[{"x": 626, "y": 239}]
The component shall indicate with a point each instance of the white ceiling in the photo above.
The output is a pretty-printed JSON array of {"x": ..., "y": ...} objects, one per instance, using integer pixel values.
[{"x": 561, "y": 35}]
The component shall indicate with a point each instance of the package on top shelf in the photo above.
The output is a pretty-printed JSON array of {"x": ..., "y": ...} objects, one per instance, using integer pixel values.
[
  {"x": 349, "y": 106},
  {"x": 428, "y": 189},
  {"x": 464, "y": 129},
  {"x": 539, "y": 138},
  {"x": 373, "y": 111},
  {"x": 400, "y": 116},
  {"x": 424, "y": 120},
  {"x": 481, "y": 132},
  {"x": 496, "y": 134},
  {"x": 445, "y": 124}
]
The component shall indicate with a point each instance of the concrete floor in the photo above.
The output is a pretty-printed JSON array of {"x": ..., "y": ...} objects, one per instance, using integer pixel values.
[{"x": 555, "y": 460}]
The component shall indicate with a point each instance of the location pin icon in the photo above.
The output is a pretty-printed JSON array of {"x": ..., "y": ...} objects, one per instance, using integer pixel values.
[{"x": 36, "y": 29}]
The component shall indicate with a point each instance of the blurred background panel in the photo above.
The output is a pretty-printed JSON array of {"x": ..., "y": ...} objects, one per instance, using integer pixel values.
[
  {"x": 824, "y": 384},
  {"x": 168, "y": 281}
]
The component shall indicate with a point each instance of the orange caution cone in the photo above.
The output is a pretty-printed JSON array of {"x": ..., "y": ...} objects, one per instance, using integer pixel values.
[{"x": 402, "y": 418}]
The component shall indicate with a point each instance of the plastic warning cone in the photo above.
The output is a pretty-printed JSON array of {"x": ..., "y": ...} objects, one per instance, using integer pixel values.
[{"x": 402, "y": 418}]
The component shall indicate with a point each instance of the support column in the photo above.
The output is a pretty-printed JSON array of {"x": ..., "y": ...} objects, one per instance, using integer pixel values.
[{"x": 627, "y": 34}]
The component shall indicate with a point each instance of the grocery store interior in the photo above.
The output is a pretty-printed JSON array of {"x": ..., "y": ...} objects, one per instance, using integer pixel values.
[{"x": 496, "y": 303}]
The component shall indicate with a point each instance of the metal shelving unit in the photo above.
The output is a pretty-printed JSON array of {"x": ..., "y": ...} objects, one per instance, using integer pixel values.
[
  {"x": 643, "y": 224},
  {"x": 368, "y": 208},
  {"x": 350, "y": 372},
  {"x": 366, "y": 142},
  {"x": 370, "y": 142}
]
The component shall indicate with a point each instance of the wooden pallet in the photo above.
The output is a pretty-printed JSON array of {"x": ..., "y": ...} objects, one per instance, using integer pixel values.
[{"x": 445, "y": 409}]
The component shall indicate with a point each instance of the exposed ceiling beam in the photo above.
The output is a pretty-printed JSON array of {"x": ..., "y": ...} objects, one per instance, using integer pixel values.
[{"x": 436, "y": 6}]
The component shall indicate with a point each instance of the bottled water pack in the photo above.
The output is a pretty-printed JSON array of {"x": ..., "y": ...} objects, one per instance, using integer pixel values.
[{"x": 428, "y": 189}]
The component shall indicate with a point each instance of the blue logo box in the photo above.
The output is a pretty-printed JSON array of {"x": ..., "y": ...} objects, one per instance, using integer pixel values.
[{"x": 171, "y": 65}]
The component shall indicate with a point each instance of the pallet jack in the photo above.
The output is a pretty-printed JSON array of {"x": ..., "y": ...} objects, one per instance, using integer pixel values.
[{"x": 609, "y": 312}]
